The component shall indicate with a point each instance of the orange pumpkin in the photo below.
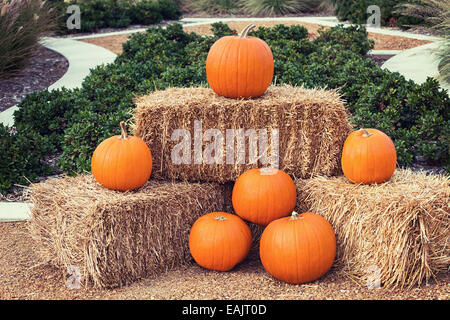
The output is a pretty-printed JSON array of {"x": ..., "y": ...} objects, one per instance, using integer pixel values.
[
  {"x": 368, "y": 156},
  {"x": 239, "y": 66},
  {"x": 298, "y": 249},
  {"x": 263, "y": 195},
  {"x": 122, "y": 162},
  {"x": 219, "y": 241}
]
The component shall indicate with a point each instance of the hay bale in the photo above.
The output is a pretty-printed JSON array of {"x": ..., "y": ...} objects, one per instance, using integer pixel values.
[
  {"x": 401, "y": 226},
  {"x": 113, "y": 237},
  {"x": 310, "y": 127}
]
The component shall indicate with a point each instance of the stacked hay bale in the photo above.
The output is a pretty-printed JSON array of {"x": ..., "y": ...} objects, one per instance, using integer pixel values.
[
  {"x": 398, "y": 231},
  {"x": 311, "y": 129},
  {"x": 114, "y": 237}
]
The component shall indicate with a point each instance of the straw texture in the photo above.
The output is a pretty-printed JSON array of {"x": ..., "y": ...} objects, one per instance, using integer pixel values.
[
  {"x": 402, "y": 226},
  {"x": 116, "y": 237},
  {"x": 312, "y": 126}
]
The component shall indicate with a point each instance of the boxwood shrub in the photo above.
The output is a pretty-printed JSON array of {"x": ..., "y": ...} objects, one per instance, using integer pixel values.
[
  {"x": 22, "y": 155},
  {"x": 415, "y": 116},
  {"x": 48, "y": 112}
]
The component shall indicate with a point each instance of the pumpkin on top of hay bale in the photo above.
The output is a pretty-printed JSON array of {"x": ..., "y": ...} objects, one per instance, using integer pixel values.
[
  {"x": 122, "y": 162},
  {"x": 368, "y": 156},
  {"x": 197, "y": 135},
  {"x": 240, "y": 66},
  {"x": 399, "y": 228}
]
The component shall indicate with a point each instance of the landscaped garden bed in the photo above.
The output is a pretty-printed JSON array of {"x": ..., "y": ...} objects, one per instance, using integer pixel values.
[
  {"x": 43, "y": 69},
  {"x": 74, "y": 121},
  {"x": 183, "y": 195}
]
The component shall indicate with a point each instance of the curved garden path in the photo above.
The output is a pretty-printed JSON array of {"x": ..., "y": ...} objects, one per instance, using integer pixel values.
[{"x": 417, "y": 64}]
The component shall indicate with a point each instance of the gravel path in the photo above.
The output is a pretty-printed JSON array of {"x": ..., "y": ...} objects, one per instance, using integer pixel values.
[{"x": 22, "y": 277}]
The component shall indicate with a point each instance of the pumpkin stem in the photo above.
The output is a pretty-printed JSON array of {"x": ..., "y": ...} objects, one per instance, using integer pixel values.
[
  {"x": 123, "y": 129},
  {"x": 220, "y": 218},
  {"x": 366, "y": 133},
  {"x": 295, "y": 216},
  {"x": 246, "y": 30}
]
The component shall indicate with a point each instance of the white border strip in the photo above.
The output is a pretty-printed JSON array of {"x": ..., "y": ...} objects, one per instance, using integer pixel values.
[{"x": 15, "y": 211}]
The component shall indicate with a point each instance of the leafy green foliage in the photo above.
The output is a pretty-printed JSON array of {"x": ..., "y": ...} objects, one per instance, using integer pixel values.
[
  {"x": 96, "y": 14},
  {"x": 169, "y": 9},
  {"x": 21, "y": 154},
  {"x": 48, "y": 112},
  {"x": 353, "y": 38},
  {"x": 280, "y": 7},
  {"x": 415, "y": 116},
  {"x": 437, "y": 14}
]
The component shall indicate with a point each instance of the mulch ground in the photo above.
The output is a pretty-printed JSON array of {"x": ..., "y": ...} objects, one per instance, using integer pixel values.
[
  {"x": 379, "y": 59},
  {"x": 382, "y": 42},
  {"x": 23, "y": 277},
  {"x": 43, "y": 69}
]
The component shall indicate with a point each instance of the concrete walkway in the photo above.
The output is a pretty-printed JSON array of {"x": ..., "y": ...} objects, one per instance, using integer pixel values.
[{"x": 417, "y": 64}]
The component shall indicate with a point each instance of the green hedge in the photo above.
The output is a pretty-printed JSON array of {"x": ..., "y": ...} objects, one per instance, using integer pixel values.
[
  {"x": 96, "y": 14},
  {"x": 22, "y": 155},
  {"x": 356, "y": 11},
  {"x": 415, "y": 116}
]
